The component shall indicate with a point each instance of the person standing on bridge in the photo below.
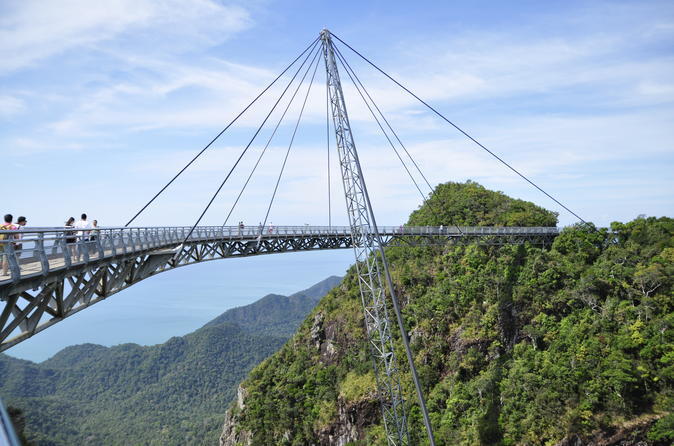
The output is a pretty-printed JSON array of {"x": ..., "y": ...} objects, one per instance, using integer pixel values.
[
  {"x": 7, "y": 226},
  {"x": 70, "y": 237},
  {"x": 83, "y": 225},
  {"x": 83, "y": 234},
  {"x": 21, "y": 222},
  {"x": 94, "y": 230}
]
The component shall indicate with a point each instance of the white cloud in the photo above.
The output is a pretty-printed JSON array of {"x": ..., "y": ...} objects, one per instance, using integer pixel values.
[
  {"x": 34, "y": 30},
  {"x": 10, "y": 106},
  {"x": 24, "y": 146},
  {"x": 661, "y": 91},
  {"x": 492, "y": 68},
  {"x": 556, "y": 106}
]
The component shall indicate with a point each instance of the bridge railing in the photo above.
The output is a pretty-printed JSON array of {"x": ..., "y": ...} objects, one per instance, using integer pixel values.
[{"x": 37, "y": 251}]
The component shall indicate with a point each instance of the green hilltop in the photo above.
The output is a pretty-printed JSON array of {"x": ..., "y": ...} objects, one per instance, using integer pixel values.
[{"x": 571, "y": 344}]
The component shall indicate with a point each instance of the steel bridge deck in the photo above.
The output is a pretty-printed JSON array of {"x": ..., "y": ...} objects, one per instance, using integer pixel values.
[{"x": 57, "y": 273}]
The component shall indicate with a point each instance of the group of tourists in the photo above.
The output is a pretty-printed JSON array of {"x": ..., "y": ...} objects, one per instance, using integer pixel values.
[
  {"x": 260, "y": 228},
  {"x": 82, "y": 230},
  {"x": 77, "y": 233}
]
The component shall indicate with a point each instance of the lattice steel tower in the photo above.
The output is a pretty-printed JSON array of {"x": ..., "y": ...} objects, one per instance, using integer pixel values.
[{"x": 370, "y": 263}]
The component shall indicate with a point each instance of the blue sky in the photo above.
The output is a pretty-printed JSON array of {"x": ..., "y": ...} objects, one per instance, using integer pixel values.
[{"x": 100, "y": 103}]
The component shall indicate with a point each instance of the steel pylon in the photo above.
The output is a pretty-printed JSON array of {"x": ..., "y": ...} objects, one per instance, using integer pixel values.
[{"x": 368, "y": 252}]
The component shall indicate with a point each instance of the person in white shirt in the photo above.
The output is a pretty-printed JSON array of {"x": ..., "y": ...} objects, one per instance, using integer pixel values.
[
  {"x": 83, "y": 233},
  {"x": 83, "y": 224}
]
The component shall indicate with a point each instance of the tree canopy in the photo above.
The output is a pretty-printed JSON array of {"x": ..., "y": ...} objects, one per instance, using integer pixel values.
[{"x": 514, "y": 345}]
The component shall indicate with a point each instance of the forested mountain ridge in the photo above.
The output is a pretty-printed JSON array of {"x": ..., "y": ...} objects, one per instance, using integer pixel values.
[
  {"x": 168, "y": 394},
  {"x": 571, "y": 344},
  {"x": 275, "y": 314}
]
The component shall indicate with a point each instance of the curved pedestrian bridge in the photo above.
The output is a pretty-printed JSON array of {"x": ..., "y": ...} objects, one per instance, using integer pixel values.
[{"x": 55, "y": 273}]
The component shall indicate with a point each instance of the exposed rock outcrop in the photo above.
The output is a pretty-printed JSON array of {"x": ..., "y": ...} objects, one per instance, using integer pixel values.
[
  {"x": 317, "y": 332},
  {"x": 350, "y": 423},
  {"x": 632, "y": 433},
  {"x": 325, "y": 338},
  {"x": 231, "y": 434}
]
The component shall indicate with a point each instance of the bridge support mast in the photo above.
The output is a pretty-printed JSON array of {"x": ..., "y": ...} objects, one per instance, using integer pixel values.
[{"x": 370, "y": 261}]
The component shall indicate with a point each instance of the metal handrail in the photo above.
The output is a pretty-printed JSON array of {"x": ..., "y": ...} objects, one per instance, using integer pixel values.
[
  {"x": 72, "y": 246},
  {"x": 306, "y": 230}
]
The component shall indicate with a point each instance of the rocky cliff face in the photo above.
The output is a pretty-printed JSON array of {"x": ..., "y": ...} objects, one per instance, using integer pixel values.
[
  {"x": 631, "y": 433},
  {"x": 351, "y": 421},
  {"x": 231, "y": 436}
]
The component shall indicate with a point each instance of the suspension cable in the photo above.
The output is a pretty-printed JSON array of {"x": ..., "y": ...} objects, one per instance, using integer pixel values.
[
  {"x": 395, "y": 134},
  {"x": 246, "y": 149},
  {"x": 339, "y": 57},
  {"x": 461, "y": 130},
  {"x": 292, "y": 139},
  {"x": 349, "y": 72},
  {"x": 312, "y": 44},
  {"x": 268, "y": 142}
]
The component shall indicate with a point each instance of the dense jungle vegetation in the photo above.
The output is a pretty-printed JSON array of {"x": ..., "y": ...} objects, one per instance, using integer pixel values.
[
  {"x": 174, "y": 393},
  {"x": 515, "y": 345}
]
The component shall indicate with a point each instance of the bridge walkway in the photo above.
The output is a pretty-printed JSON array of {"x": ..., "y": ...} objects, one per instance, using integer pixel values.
[
  {"x": 57, "y": 272},
  {"x": 48, "y": 250}
]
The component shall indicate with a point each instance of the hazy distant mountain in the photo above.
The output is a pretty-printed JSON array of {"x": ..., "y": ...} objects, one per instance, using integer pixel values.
[
  {"x": 275, "y": 314},
  {"x": 168, "y": 394}
]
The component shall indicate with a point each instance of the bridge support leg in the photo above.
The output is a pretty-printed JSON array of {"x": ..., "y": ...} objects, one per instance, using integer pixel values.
[{"x": 370, "y": 260}]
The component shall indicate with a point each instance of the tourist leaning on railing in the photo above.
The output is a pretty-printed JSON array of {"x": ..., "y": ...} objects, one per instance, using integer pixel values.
[{"x": 7, "y": 226}]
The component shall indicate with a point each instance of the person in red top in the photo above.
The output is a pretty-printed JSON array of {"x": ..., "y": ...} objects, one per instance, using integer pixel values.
[{"x": 7, "y": 226}]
